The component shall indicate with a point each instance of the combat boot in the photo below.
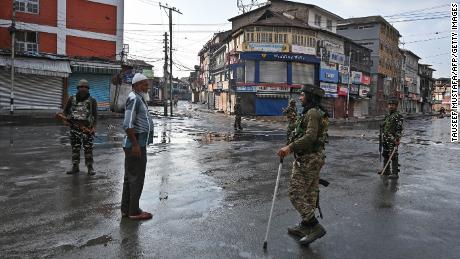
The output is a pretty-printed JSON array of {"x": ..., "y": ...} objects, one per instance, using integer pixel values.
[
  {"x": 299, "y": 230},
  {"x": 316, "y": 231},
  {"x": 75, "y": 169},
  {"x": 91, "y": 170}
]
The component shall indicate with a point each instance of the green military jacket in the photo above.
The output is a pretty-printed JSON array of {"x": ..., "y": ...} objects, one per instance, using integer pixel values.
[
  {"x": 392, "y": 127},
  {"x": 310, "y": 134}
]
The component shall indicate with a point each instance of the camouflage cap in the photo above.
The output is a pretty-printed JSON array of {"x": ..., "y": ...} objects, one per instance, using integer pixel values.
[
  {"x": 392, "y": 100},
  {"x": 313, "y": 90}
]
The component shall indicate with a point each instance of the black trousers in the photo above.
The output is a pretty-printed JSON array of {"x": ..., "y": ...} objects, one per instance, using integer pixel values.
[
  {"x": 133, "y": 181},
  {"x": 237, "y": 124}
]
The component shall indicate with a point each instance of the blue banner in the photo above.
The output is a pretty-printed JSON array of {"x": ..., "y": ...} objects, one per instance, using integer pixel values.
[
  {"x": 329, "y": 75},
  {"x": 303, "y": 58}
]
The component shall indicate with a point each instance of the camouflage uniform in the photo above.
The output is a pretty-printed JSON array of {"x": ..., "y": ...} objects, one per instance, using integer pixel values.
[
  {"x": 291, "y": 114},
  {"x": 392, "y": 127},
  {"x": 237, "y": 110},
  {"x": 308, "y": 147},
  {"x": 81, "y": 114}
]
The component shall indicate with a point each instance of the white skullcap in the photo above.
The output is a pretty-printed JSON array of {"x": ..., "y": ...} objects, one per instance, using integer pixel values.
[{"x": 138, "y": 77}]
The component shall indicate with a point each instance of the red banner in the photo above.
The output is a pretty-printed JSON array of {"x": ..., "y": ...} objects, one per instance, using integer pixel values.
[
  {"x": 343, "y": 91},
  {"x": 365, "y": 80}
]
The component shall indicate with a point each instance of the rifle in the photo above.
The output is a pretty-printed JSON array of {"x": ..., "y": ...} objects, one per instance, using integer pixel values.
[
  {"x": 380, "y": 143},
  {"x": 325, "y": 184},
  {"x": 84, "y": 129}
]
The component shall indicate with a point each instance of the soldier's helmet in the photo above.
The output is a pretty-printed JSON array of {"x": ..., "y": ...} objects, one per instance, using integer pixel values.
[
  {"x": 83, "y": 82},
  {"x": 392, "y": 100},
  {"x": 313, "y": 90}
]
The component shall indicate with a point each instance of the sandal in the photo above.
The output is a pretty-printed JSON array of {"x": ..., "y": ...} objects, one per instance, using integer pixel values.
[{"x": 142, "y": 216}]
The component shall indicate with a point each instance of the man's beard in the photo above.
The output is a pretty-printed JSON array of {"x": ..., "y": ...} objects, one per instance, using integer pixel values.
[{"x": 145, "y": 96}]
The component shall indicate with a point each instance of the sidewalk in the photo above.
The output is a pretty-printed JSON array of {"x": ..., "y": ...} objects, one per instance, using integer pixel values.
[
  {"x": 21, "y": 116},
  {"x": 339, "y": 121}
]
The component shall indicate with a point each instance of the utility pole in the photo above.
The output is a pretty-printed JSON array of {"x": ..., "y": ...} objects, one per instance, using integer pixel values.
[
  {"x": 171, "y": 9},
  {"x": 165, "y": 73},
  {"x": 349, "y": 82},
  {"x": 13, "y": 36}
]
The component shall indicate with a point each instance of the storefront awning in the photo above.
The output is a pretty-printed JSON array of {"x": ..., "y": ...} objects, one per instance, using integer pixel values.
[
  {"x": 272, "y": 96},
  {"x": 94, "y": 67},
  {"x": 38, "y": 66}
]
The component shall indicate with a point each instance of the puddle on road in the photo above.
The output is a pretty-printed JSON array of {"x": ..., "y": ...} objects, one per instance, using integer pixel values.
[{"x": 210, "y": 137}]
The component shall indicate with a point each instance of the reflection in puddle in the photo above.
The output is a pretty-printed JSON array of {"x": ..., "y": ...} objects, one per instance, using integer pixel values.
[{"x": 210, "y": 137}]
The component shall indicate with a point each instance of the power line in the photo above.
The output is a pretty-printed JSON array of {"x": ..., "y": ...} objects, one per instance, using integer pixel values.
[
  {"x": 426, "y": 40},
  {"x": 422, "y": 19},
  {"x": 419, "y": 10}
]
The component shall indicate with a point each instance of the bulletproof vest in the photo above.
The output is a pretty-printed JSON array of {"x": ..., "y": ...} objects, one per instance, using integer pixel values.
[
  {"x": 322, "y": 130},
  {"x": 81, "y": 110}
]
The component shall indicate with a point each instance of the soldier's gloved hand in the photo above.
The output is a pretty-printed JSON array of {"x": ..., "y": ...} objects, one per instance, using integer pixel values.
[{"x": 284, "y": 151}]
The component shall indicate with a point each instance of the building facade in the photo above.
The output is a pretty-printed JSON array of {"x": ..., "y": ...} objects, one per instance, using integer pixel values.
[
  {"x": 375, "y": 33},
  {"x": 410, "y": 99},
  {"x": 442, "y": 94},
  {"x": 73, "y": 28},
  {"x": 426, "y": 86},
  {"x": 273, "y": 51},
  {"x": 86, "y": 35}
]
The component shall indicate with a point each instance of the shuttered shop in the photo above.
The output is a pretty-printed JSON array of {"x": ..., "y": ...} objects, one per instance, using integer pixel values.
[
  {"x": 99, "y": 87},
  {"x": 31, "y": 91},
  {"x": 273, "y": 72},
  {"x": 250, "y": 70},
  {"x": 303, "y": 73}
]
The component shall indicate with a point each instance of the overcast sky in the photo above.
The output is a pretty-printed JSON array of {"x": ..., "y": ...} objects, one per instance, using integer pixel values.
[{"x": 201, "y": 18}]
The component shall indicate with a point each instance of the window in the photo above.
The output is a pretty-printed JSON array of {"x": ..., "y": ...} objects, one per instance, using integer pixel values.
[
  {"x": 266, "y": 37},
  {"x": 317, "y": 20},
  {"x": 26, "y": 41},
  {"x": 329, "y": 24},
  {"x": 27, "y": 6}
]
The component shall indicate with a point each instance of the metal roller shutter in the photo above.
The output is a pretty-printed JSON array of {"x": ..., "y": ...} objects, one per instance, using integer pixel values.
[
  {"x": 31, "y": 91},
  {"x": 303, "y": 73},
  {"x": 270, "y": 106},
  {"x": 247, "y": 103},
  {"x": 273, "y": 72},
  {"x": 99, "y": 88},
  {"x": 250, "y": 71}
]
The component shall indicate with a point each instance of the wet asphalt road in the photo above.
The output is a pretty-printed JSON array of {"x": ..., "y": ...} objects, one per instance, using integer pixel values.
[{"x": 210, "y": 192}]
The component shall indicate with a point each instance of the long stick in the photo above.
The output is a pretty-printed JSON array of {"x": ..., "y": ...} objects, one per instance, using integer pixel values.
[
  {"x": 273, "y": 203},
  {"x": 389, "y": 159}
]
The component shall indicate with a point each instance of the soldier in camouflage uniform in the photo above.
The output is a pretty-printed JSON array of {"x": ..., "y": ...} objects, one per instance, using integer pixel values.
[
  {"x": 81, "y": 113},
  {"x": 237, "y": 111},
  {"x": 307, "y": 145},
  {"x": 291, "y": 114},
  {"x": 392, "y": 127}
]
